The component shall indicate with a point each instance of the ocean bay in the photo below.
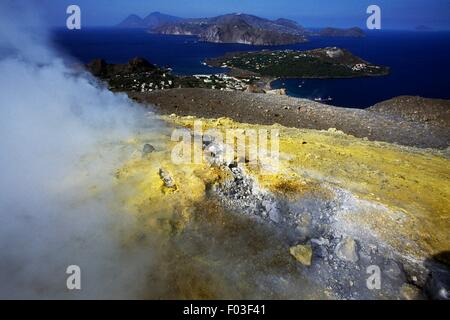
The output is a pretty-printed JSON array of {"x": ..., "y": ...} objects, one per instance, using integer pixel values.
[{"x": 418, "y": 60}]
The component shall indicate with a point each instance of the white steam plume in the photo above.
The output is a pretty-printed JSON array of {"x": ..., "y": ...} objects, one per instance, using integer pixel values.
[{"x": 49, "y": 117}]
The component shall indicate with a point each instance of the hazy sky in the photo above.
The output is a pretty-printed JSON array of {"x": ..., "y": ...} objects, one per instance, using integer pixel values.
[{"x": 403, "y": 14}]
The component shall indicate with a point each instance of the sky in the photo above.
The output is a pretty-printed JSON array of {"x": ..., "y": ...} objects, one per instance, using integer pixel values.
[{"x": 396, "y": 14}]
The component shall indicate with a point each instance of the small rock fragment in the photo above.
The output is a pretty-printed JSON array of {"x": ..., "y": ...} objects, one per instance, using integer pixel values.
[
  {"x": 148, "y": 148},
  {"x": 304, "y": 220},
  {"x": 346, "y": 250},
  {"x": 321, "y": 241},
  {"x": 303, "y": 254},
  {"x": 393, "y": 270},
  {"x": 166, "y": 178},
  {"x": 274, "y": 215},
  {"x": 271, "y": 209}
]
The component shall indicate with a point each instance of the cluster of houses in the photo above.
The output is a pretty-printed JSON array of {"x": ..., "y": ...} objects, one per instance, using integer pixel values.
[
  {"x": 143, "y": 82},
  {"x": 258, "y": 61},
  {"x": 161, "y": 85},
  {"x": 363, "y": 66},
  {"x": 211, "y": 81},
  {"x": 163, "y": 79},
  {"x": 156, "y": 84},
  {"x": 223, "y": 82},
  {"x": 359, "y": 67}
]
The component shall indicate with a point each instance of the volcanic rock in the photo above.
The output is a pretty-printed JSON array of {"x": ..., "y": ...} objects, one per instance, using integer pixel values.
[
  {"x": 303, "y": 254},
  {"x": 346, "y": 250}
]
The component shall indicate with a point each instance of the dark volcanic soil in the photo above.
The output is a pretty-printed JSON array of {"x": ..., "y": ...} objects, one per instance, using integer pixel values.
[
  {"x": 409, "y": 121},
  {"x": 431, "y": 111}
]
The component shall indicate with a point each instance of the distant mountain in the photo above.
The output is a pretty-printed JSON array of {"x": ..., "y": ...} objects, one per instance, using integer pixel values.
[
  {"x": 157, "y": 19},
  {"x": 238, "y": 28},
  {"x": 334, "y": 32},
  {"x": 234, "y": 28},
  {"x": 152, "y": 21},
  {"x": 288, "y": 23},
  {"x": 132, "y": 21}
]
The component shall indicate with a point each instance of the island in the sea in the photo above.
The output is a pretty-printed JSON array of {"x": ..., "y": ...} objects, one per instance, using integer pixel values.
[
  {"x": 246, "y": 71},
  {"x": 318, "y": 63},
  {"x": 238, "y": 28},
  {"x": 234, "y": 28}
]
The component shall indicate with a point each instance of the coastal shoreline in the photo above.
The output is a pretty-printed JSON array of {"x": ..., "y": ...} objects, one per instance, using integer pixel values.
[
  {"x": 252, "y": 100},
  {"x": 320, "y": 63}
]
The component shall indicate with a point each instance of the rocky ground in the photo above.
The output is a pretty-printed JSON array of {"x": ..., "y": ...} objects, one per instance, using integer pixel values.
[
  {"x": 410, "y": 121},
  {"x": 338, "y": 207},
  {"x": 416, "y": 109}
]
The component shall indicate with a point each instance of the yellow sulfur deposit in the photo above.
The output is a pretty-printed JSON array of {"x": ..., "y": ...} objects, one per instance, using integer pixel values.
[{"x": 405, "y": 191}]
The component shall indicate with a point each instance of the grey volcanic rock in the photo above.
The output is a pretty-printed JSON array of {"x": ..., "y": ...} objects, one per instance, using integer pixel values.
[
  {"x": 238, "y": 28},
  {"x": 433, "y": 111},
  {"x": 148, "y": 148},
  {"x": 268, "y": 109},
  {"x": 393, "y": 270},
  {"x": 346, "y": 250}
]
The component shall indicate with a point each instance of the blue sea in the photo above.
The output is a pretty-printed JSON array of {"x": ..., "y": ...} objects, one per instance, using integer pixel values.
[{"x": 419, "y": 61}]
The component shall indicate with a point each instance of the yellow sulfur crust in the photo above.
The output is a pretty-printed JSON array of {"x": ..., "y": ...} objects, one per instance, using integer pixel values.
[{"x": 412, "y": 185}]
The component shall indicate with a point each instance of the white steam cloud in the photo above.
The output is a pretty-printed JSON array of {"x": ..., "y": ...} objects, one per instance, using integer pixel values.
[{"x": 49, "y": 117}]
